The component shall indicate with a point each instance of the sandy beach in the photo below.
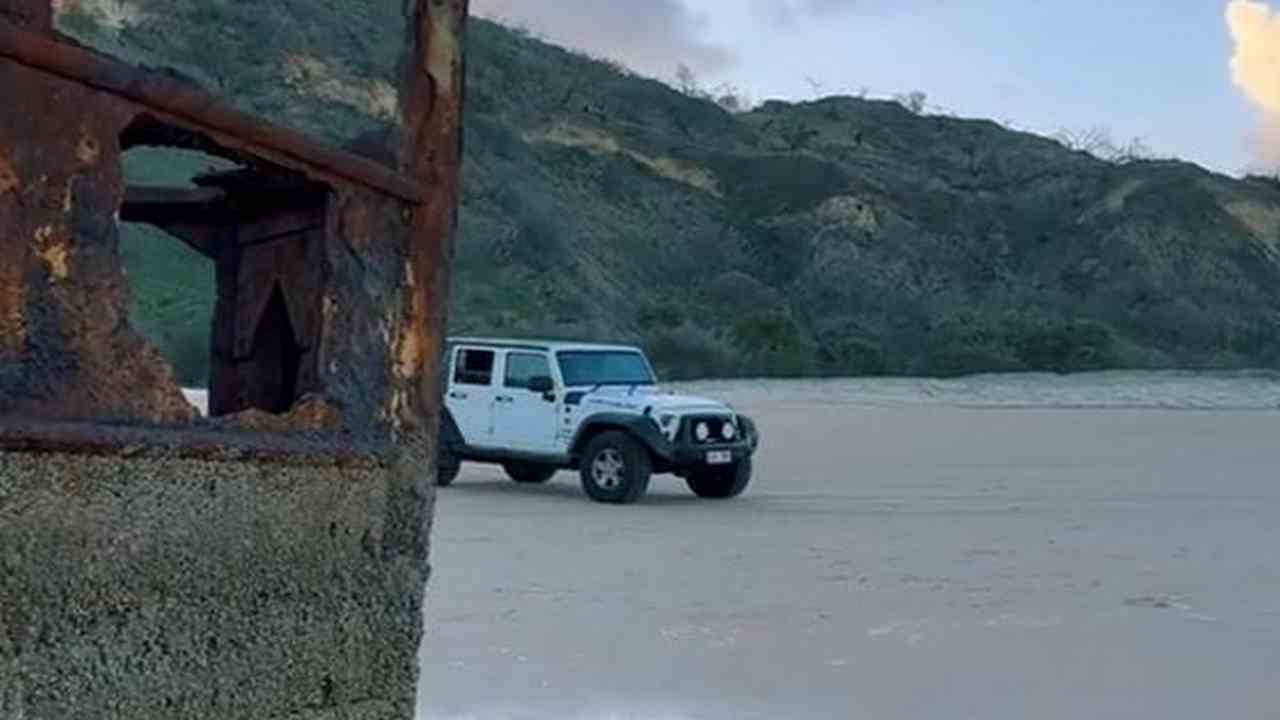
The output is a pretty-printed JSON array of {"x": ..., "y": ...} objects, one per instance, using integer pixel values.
[{"x": 923, "y": 559}]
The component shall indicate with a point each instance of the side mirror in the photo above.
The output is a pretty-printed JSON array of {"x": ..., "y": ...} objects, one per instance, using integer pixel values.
[{"x": 541, "y": 384}]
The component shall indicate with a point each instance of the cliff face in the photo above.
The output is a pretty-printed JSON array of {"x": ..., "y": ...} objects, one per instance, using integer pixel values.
[{"x": 831, "y": 237}]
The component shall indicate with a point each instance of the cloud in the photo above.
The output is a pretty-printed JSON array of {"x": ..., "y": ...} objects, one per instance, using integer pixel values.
[
  {"x": 1255, "y": 69},
  {"x": 788, "y": 12},
  {"x": 652, "y": 37},
  {"x": 1264, "y": 146}
]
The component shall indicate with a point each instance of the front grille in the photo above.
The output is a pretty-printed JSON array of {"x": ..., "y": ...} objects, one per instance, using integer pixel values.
[{"x": 715, "y": 429}]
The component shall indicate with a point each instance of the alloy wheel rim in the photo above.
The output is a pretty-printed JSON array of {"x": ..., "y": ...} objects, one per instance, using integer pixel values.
[{"x": 607, "y": 469}]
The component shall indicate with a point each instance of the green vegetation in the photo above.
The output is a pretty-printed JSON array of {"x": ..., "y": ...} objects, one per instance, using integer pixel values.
[{"x": 835, "y": 237}]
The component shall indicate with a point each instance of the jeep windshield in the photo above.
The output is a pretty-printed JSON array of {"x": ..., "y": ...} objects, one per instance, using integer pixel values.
[{"x": 604, "y": 367}]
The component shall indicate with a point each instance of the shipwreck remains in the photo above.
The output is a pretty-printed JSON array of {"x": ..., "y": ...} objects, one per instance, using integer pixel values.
[{"x": 270, "y": 560}]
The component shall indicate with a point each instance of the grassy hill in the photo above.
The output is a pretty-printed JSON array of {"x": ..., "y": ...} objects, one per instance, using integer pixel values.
[{"x": 839, "y": 236}]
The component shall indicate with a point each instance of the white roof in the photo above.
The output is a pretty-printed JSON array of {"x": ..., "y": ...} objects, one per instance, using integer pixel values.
[{"x": 534, "y": 344}]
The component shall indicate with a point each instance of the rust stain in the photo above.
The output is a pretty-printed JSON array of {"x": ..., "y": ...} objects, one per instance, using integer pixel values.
[
  {"x": 312, "y": 412},
  {"x": 8, "y": 177},
  {"x": 52, "y": 249},
  {"x": 409, "y": 355},
  {"x": 88, "y": 150},
  {"x": 13, "y": 327},
  {"x": 398, "y": 409},
  {"x": 442, "y": 53},
  {"x": 411, "y": 340}
]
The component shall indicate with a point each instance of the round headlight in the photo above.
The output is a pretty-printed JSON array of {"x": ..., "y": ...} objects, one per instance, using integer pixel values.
[
  {"x": 703, "y": 431},
  {"x": 728, "y": 431}
]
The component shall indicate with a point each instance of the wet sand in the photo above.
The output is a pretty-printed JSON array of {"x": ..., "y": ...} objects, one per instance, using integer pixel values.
[{"x": 888, "y": 562}]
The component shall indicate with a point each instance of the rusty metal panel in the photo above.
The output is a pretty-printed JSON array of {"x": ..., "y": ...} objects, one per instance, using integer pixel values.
[
  {"x": 189, "y": 106},
  {"x": 64, "y": 294}
]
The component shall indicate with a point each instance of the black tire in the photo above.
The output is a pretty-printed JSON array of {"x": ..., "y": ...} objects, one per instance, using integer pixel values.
[
  {"x": 528, "y": 473},
  {"x": 721, "y": 483},
  {"x": 448, "y": 465},
  {"x": 615, "y": 469}
]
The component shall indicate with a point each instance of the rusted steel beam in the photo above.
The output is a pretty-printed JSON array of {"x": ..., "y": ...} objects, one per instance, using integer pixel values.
[
  {"x": 435, "y": 93},
  {"x": 138, "y": 199},
  {"x": 216, "y": 444},
  {"x": 432, "y": 117},
  {"x": 199, "y": 108},
  {"x": 193, "y": 216}
]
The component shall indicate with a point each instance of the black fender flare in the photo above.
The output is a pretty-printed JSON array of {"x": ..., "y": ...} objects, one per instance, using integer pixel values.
[
  {"x": 750, "y": 433},
  {"x": 450, "y": 437},
  {"x": 641, "y": 427}
]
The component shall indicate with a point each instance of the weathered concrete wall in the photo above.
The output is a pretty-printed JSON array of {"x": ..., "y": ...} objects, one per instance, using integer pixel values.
[{"x": 161, "y": 587}]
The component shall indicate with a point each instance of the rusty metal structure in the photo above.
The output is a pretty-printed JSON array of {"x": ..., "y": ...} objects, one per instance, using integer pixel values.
[{"x": 268, "y": 560}]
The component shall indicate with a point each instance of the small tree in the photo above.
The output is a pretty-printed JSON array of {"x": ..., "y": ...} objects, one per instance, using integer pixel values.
[
  {"x": 1094, "y": 141},
  {"x": 1098, "y": 143},
  {"x": 731, "y": 98},
  {"x": 1135, "y": 151},
  {"x": 686, "y": 81},
  {"x": 726, "y": 95},
  {"x": 915, "y": 101}
]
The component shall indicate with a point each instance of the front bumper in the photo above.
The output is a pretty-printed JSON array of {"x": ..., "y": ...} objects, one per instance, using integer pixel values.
[{"x": 685, "y": 453}]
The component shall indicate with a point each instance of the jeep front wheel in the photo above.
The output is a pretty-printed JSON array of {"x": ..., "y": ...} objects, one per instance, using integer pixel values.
[
  {"x": 721, "y": 483},
  {"x": 528, "y": 473},
  {"x": 615, "y": 469}
]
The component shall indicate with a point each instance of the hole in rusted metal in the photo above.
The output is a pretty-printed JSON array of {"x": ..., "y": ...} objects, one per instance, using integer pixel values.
[
  {"x": 258, "y": 226},
  {"x": 172, "y": 284},
  {"x": 277, "y": 358}
]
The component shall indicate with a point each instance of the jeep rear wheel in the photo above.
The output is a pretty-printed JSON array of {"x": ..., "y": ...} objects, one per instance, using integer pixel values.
[
  {"x": 616, "y": 469},
  {"x": 529, "y": 473},
  {"x": 448, "y": 465},
  {"x": 721, "y": 483}
]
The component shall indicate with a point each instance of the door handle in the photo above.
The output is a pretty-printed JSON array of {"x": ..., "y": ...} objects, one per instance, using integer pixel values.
[
  {"x": 505, "y": 399},
  {"x": 458, "y": 395}
]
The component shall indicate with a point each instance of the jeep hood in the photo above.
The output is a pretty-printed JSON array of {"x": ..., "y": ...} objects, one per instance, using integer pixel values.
[{"x": 624, "y": 398}]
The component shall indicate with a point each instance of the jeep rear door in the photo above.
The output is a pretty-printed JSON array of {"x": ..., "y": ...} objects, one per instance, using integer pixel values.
[
  {"x": 471, "y": 393},
  {"x": 523, "y": 420}
]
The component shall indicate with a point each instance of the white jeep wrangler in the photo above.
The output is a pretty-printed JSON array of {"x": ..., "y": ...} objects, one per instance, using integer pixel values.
[{"x": 539, "y": 407}]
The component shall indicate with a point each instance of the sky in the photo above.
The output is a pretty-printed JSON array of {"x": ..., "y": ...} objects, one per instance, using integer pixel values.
[{"x": 1161, "y": 71}]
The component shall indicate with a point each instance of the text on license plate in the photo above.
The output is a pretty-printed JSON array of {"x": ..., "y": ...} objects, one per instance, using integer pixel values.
[{"x": 719, "y": 457}]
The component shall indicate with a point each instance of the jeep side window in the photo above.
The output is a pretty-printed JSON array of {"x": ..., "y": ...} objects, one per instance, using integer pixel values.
[
  {"x": 474, "y": 367},
  {"x": 523, "y": 367},
  {"x": 447, "y": 367}
]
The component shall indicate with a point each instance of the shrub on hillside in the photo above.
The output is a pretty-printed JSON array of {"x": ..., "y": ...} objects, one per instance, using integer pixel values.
[
  {"x": 540, "y": 228},
  {"x": 1074, "y": 346},
  {"x": 688, "y": 352},
  {"x": 850, "y": 357},
  {"x": 771, "y": 344}
]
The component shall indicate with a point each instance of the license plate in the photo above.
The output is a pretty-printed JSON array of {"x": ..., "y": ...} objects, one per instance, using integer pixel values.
[{"x": 720, "y": 457}]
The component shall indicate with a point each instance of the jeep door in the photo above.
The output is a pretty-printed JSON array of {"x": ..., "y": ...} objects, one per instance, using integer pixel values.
[
  {"x": 525, "y": 420},
  {"x": 471, "y": 393}
]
